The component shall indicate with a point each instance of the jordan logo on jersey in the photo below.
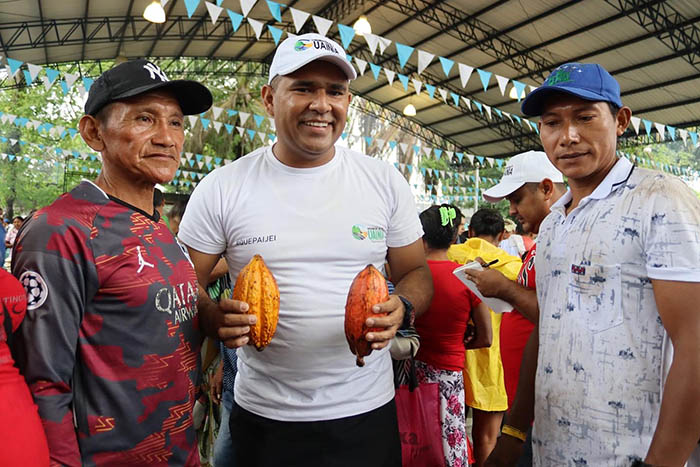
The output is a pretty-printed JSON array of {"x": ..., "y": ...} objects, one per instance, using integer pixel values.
[{"x": 142, "y": 262}]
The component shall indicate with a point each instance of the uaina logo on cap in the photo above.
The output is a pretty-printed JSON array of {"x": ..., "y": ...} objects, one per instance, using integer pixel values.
[{"x": 306, "y": 44}]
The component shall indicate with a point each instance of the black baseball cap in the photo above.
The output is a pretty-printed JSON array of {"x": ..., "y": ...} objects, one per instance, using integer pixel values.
[{"x": 136, "y": 77}]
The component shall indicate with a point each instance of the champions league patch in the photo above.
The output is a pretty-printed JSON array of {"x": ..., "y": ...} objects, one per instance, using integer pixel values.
[{"x": 35, "y": 288}]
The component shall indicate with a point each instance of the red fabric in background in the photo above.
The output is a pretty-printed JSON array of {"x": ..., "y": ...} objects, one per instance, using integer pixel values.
[{"x": 516, "y": 330}]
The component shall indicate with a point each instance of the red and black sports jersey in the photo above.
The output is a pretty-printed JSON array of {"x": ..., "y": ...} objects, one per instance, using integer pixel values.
[{"x": 111, "y": 336}]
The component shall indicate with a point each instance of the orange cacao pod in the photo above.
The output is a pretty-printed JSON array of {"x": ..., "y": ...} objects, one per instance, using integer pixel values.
[
  {"x": 257, "y": 287},
  {"x": 368, "y": 289}
]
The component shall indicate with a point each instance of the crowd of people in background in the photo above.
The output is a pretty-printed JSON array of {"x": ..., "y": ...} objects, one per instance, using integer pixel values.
[{"x": 128, "y": 348}]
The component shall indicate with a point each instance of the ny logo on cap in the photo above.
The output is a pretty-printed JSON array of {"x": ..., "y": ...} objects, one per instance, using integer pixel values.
[
  {"x": 155, "y": 71},
  {"x": 509, "y": 170}
]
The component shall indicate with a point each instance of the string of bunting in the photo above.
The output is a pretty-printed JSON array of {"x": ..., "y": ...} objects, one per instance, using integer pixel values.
[{"x": 375, "y": 43}]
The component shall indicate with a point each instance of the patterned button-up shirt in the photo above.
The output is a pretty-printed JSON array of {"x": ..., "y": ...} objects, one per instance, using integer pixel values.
[{"x": 600, "y": 367}]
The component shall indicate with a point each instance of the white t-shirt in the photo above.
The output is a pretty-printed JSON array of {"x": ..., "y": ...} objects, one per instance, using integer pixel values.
[
  {"x": 316, "y": 229},
  {"x": 601, "y": 359}
]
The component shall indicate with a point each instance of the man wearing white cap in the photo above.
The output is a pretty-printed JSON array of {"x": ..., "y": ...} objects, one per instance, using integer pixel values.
[
  {"x": 531, "y": 184},
  {"x": 318, "y": 214}
]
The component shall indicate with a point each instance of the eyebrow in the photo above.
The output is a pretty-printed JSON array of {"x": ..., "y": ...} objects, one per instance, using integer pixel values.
[
  {"x": 311, "y": 83},
  {"x": 580, "y": 108}
]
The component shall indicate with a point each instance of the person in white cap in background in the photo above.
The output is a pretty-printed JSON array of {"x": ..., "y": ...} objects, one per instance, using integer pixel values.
[
  {"x": 318, "y": 214},
  {"x": 531, "y": 184}
]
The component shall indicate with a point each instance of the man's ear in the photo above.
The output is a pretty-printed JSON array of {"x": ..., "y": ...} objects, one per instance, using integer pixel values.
[
  {"x": 546, "y": 186},
  {"x": 499, "y": 237},
  {"x": 268, "y": 94},
  {"x": 622, "y": 119},
  {"x": 91, "y": 132}
]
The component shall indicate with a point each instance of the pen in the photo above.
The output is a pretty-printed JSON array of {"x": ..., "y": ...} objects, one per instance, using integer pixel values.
[{"x": 490, "y": 263}]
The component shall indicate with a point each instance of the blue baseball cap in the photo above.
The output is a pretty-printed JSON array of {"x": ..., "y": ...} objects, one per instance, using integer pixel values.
[{"x": 588, "y": 81}]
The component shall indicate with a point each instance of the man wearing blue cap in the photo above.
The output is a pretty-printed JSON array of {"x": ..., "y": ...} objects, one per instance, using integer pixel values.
[{"x": 618, "y": 267}]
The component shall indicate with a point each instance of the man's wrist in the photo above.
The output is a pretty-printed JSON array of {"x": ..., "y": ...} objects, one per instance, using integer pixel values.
[{"x": 409, "y": 313}]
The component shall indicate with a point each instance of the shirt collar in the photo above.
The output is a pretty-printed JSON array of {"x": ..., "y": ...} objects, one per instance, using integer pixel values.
[{"x": 613, "y": 180}]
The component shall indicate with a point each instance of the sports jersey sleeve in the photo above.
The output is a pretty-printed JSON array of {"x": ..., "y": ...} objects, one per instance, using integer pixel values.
[
  {"x": 50, "y": 263},
  {"x": 405, "y": 227},
  {"x": 201, "y": 227},
  {"x": 671, "y": 240}
]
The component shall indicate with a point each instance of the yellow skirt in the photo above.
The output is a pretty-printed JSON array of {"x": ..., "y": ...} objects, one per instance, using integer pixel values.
[{"x": 484, "y": 386}]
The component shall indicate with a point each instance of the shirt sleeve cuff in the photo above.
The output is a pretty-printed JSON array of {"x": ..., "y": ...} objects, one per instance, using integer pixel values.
[{"x": 674, "y": 274}]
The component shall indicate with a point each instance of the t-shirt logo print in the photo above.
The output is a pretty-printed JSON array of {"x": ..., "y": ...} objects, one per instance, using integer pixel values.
[
  {"x": 35, "y": 288},
  {"x": 142, "y": 262},
  {"x": 155, "y": 71}
]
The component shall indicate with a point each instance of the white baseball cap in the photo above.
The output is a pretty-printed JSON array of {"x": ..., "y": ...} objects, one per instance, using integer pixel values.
[
  {"x": 298, "y": 51},
  {"x": 526, "y": 167}
]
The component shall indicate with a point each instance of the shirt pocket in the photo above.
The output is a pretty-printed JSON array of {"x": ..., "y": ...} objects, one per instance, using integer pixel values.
[{"x": 594, "y": 293}]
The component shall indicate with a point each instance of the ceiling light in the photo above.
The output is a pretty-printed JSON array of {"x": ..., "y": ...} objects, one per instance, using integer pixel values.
[
  {"x": 409, "y": 110},
  {"x": 154, "y": 12},
  {"x": 362, "y": 26}
]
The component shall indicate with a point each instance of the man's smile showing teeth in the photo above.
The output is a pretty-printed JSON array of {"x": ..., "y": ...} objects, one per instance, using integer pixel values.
[{"x": 317, "y": 124}]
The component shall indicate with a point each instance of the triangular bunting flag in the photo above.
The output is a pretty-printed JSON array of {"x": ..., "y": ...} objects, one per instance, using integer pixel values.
[
  {"x": 693, "y": 137},
  {"x": 671, "y": 132},
  {"x": 447, "y": 65},
  {"x": 635, "y": 123},
  {"x": 191, "y": 6},
  {"x": 214, "y": 11},
  {"x": 443, "y": 93},
  {"x": 417, "y": 84},
  {"x": 404, "y": 52},
  {"x": 485, "y": 76},
  {"x": 682, "y": 132},
  {"x": 361, "y": 65},
  {"x": 465, "y": 71},
  {"x": 251, "y": 134},
  {"x": 299, "y": 18},
  {"x": 390, "y": 75},
  {"x": 246, "y": 6},
  {"x": 647, "y": 126},
  {"x": 488, "y": 111},
  {"x": 322, "y": 24},
  {"x": 467, "y": 102},
  {"x": 502, "y": 83},
  {"x": 192, "y": 119},
  {"x": 216, "y": 111},
  {"x": 205, "y": 122},
  {"x": 274, "y": 8},
  {"x": 34, "y": 70},
  {"x": 455, "y": 98},
  {"x": 346, "y": 35},
  {"x": 240, "y": 130},
  {"x": 372, "y": 41},
  {"x": 258, "y": 119},
  {"x": 431, "y": 89},
  {"x": 13, "y": 65},
  {"x": 243, "y": 116},
  {"x": 70, "y": 78},
  {"x": 660, "y": 127},
  {"x": 424, "y": 59},
  {"x": 276, "y": 33},
  {"x": 217, "y": 126},
  {"x": 51, "y": 74},
  {"x": 87, "y": 82},
  {"x": 375, "y": 70},
  {"x": 383, "y": 44},
  {"x": 27, "y": 77},
  {"x": 520, "y": 89},
  {"x": 404, "y": 81},
  {"x": 257, "y": 26},
  {"x": 236, "y": 19},
  {"x": 229, "y": 128}
]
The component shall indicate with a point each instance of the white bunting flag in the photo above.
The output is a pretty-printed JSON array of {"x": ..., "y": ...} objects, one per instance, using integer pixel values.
[
  {"x": 244, "y": 116},
  {"x": 361, "y": 65},
  {"x": 427, "y": 151},
  {"x": 509, "y": 116},
  {"x": 532, "y": 88},
  {"x": 262, "y": 136},
  {"x": 488, "y": 110},
  {"x": 383, "y": 44},
  {"x": 490, "y": 161},
  {"x": 443, "y": 93},
  {"x": 661, "y": 128},
  {"x": 635, "y": 123},
  {"x": 47, "y": 83},
  {"x": 417, "y": 85},
  {"x": 257, "y": 26},
  {"x": 322, "y": 24},
  {"x": 471, "y": 158},
  {"x": 246, "y": 6},
  {"x": 217, "y": 126},
  {"x": 272, "y": 123},
  {"x": 404, "y": 147},
  {"x": 299, "y": 18},
  {"x": 214, "y": 11},
  {"x": 684, "y": 134},
  {"x": 502, "y": 83},
  {"x": 372, "y": 41},
  {"x": 467, "y": 102},
  {"x": 216, "y": 111},
  {"x": 240, "y": 130},
  {"x": 193, "y": 119},
  {"x": 164, "y": 2},
  {"x": 34, "y": 70},
  {"x": 71, "y": 78},
  {"x": 390, "y": 75},
  {"x": 465, "y": 71},
  {"x": 424, "y": 59},
  {"x": 380, "y": 143}
]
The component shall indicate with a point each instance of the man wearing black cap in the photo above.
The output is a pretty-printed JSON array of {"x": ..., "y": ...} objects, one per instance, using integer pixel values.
[
  {"x": 318, "y": 214},
  {"x": 618, "y": 272},
  {"x": 110, "y": 344}
]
